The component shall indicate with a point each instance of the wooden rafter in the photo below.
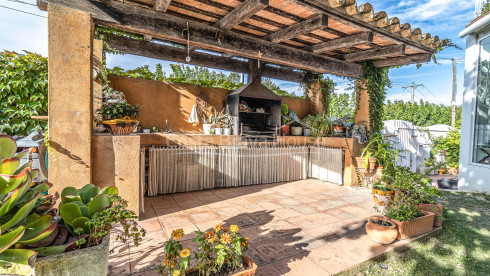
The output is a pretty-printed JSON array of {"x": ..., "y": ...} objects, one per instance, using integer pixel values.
[
  {"x": 143, "y": 21},
  {"x": 341, "y": 43},
  {"x": 421, "y": 58},
  {"x": 241, "y": 13},
  {"x": 165, "y": 52},
  {"x": 315, "y": 23},
  {"x": 376, "y": 53},
  {"x": 162, "y": 5}
]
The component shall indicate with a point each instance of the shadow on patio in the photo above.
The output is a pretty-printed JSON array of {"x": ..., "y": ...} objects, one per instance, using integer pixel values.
[{"x": 305, "y": 227}]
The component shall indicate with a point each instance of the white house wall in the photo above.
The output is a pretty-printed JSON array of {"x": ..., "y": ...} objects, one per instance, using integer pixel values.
[{"x": 472, "y": 176}]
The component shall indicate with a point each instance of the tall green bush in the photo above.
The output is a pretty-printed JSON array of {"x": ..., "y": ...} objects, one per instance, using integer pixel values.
[
  {"x": 420, "y": 114},
  {"x": 23, "y": 92}
]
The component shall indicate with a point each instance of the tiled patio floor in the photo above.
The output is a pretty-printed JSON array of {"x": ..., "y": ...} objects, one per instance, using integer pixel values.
[{"x": 303, "y": 227}]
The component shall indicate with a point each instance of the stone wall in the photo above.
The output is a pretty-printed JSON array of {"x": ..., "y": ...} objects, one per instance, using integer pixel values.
[{"x": 161, "y": 101}]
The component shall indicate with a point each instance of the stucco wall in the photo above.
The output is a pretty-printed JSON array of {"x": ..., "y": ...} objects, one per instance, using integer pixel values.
[{"x": 162, "y": 101}]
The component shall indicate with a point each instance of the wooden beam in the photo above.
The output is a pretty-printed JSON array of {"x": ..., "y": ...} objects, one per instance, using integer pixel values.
[
  {"x": 315, "y": 23},
  {"x": 322, "y": 6},
  {"x": 341, "y": 43},
  {"x": 144, "y": 21},
  {"x": 421, "y": 58},
  {"x": 376, "y": 53},
  {"x": 241, "y": 13},
  {"x": 175, "y": 54},
  {"x": 162, "y": 5}
]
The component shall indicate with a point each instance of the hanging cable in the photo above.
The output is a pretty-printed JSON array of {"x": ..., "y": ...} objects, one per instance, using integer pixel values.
[
  {"x": 22, "y": 11},
  {"x": 22, "y": 2}
]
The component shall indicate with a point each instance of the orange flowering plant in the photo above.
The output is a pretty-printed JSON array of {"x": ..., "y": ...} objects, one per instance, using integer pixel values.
[
  {"x": 177, "y": 259},
  {"x": 218, "y": 247},
  {"x": 215, "y": 248}
]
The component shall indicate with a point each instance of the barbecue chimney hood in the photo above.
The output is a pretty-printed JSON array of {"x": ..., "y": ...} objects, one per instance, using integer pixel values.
[{"x": 255, "y": 110}]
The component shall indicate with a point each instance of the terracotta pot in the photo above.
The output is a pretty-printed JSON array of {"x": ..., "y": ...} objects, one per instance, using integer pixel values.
[
  {"x": 433, "y": 208},
  {"x": 285, "y": 130},
  {"x": 249, "y": 272},
  {"x": 379, "y": 233},
  {"x": 382, "y": 197},
  {"x": 122, "y": 126},
  {"x": 379, "y": 173},
  {"x": 453, "y": 171},
  {"x": 361, "y": 163},
  {"x": 442, "y": 171},
  {"x": 418, "y": 226}
]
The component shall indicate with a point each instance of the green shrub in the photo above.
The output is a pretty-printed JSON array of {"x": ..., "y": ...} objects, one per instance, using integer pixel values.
[{"x": 23, "y": 92}]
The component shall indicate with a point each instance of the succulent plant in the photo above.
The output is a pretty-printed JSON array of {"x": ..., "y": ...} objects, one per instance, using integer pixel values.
[
  {"x": 79, "y": 205},
  {"x": 24, "y": 210}
]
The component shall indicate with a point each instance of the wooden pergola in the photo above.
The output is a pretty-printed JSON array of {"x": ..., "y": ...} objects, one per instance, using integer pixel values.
[
  {"x": 295, "y": 39},
  {"x": 316, "y": 36}
]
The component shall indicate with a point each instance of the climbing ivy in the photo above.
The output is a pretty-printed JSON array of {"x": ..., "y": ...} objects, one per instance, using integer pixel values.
[
  {"x": 376, "y": 80},
  {"x": 326, "y": 89},
  {"x": 23, "y": 92}
]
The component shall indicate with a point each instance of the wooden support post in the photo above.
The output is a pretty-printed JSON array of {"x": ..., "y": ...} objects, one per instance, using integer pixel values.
[{"x": 70, "y": 44}]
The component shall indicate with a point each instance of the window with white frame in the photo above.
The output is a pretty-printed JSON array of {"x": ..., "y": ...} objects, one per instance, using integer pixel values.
[{"x": 481, "y": 145}]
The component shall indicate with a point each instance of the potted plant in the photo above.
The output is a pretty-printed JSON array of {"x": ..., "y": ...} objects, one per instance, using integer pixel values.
[
  {"x": 320, "y": 125},
  {"x": 286, "y": 120},
  {"x": 448, "y": 147},
  {"x": 381, "y": 230},
  {"x": 428, "y": 202},
  {"x": 221, "y": 251},
  {"x": 296, "y": 129},
  {"x": 119, "y": 118},
  {"x": 32, "y": 230},
  {"x": 403, "y": 209},
  {"x": 382, "y": 193}
]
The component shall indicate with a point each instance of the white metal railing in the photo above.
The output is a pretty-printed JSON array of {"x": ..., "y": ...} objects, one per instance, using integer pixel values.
[{"x": 479, "y": 5}]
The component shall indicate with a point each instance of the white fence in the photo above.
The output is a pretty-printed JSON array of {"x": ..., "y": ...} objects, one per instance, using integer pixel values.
[{"x": 413, "y": 142}]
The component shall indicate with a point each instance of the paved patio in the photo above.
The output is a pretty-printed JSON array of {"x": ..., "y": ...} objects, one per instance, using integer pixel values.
[{"x": 303, "y": 227}]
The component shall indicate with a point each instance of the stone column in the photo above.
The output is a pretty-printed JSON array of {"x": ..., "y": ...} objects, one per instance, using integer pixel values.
[
  {"x": 70, "y": 36},
  {"x": 362, "y": 117},
  {"x": 316, "y": 97}
]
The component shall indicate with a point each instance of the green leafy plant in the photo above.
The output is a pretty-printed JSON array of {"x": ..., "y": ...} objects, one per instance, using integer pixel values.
[
  {"x": 420, "y": 113},
  {"x": 449, "y": 147},
  {"x": 286, "y": 115},
  {"x": 24, "y": 218},
  {"x": 109, "y": 111},
  {"x": 375, "y": 82},
  {"x": 379, "y": 185},
  {"x": 23, "y": 92},
  {"x": 320, "y": 124}
]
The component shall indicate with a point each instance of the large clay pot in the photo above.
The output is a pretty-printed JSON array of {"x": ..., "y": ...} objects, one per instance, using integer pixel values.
[
  {"x": 418, "y": 226},
  {"x": 380, "y": 233},
  {"x": 453, "y": 171},
  {"x": 285, "y": 130},
  {"x": 442, "y": 171}
]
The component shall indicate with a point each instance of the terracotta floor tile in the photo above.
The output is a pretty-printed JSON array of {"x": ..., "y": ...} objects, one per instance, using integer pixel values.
[
  {"x": 249, "y": 208},
  {"x": 268, "y": 270},
  {"x": 281, "y": 227},
  {"x": 270, "y": 205},
  {"x": 262, "y": 217},
  {"x": 207, "y": 225},
  {"x": 226, "y": 212},
  {"x": 304, "y": 208},
  {"x": 242, "y": 220},
  {"x": 188, "y": 231},
  {"x": 210, "y": 199},
  {"x": 284, "y": 213},
  {"x": 118, "y": 259},
  {"x": 325, "y": 232},
  {"x": 329, "y": 204},
  {"x": 323, "y": 218},
  {"x": 151, "y": 225},
  {"x": 275, "y": 249},
  {"x": 201, "y": 217},
  {"x": 302, "y": 222},
  {"x": 340, "y": 213},
  {"x": 257, "y": 258},
  {"x": 289, "y": 202},
  {"x": 256, "y": 233},
  {"x": 148, "y": 214},
  {"x": 326, "y": 258},
  {"x": 163, "y": 202},
  {"x": 303, "y": 241},
  {"x": 299, "y": 265},
  {"x": 168, "y": 211},
  {"x": 174, "y": 220}
]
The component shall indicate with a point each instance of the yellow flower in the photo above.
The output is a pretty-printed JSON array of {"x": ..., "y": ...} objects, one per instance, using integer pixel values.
[
  {"x": 185, "y": 253},
  {"x": 176, "y": 273},
  {"x": 226, "y": 238},
  {"x": 177, "y": 234},
  {"x": 245, "y": 242},
  {"x": 217, "y": 227},
  {"x": 234, "y": 228}
]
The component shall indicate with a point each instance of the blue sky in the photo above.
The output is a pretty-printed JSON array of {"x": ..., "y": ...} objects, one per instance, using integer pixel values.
[{"x": 445, "y": 18}]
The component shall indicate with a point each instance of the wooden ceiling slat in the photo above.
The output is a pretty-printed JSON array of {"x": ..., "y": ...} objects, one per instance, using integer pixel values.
[{"x": 241, "y": 13}]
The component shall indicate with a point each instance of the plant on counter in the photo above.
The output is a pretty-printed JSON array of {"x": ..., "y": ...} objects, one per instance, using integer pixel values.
[
  {"x": 220, "y": 251},
  {"x": 110, "y": 111},
  {"x": 320, "y": 125}
]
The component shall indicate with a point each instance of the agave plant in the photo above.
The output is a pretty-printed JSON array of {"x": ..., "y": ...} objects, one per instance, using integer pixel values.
[{"x": 24, "y": 210}]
